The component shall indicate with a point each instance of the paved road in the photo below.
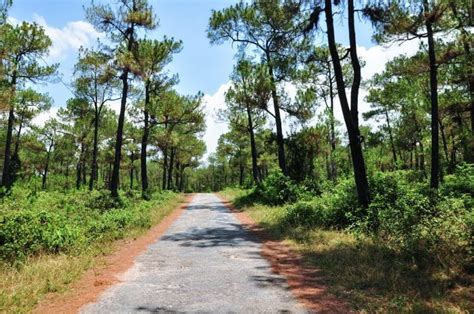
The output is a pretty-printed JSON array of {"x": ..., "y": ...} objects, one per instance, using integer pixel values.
[{"x": 205, "y": 262}]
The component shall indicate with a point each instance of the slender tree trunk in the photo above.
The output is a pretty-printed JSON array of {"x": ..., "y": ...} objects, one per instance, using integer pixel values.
[
  {"x": 392, "y": 142},
  {"x": 351, "y": 123},
  {"x": 6, "y": 177},
  {"x": 165, "y": 167},
  {"x": 84, "y": 170},
  {"x": 17, "y": 142},
  {"x": 143, "y": 153},
  {"x": 355, "y": 65},
  {"x": 181, "y": 181},
  {"x": 434, "y": 102},
  {"x": 78, "y": 174},
  {"x": 278, "y": 124},
  {"x": 241, "y": 172},
  {"x": 170, "y": 170},
  {"x": 253, "y": 147},
  {"x": 132, "y": 159},
  {"x": 79, "y": 167},
  {"x": 443, "y": 138},
  {"x": 95, "y": 150},
  {"x": 333, "y": 168},
  {"x": 114, "y": 183},
  {"x": 46, "y": 167}
]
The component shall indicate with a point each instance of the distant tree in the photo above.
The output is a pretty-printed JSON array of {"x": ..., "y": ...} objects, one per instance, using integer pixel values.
[
  {"x": 24, "y": 45},
  {"x": 272, "y": 28},
  {"x": 48, "y": 135},
  {"x": 151, "y": 57},
  {"x": 95, "y": 81},
  {"x": 407, "y": 20},
  {"x": 29, "y": 104},
  {"x": 121, "y": 24},
  {"x": 248, "y": 95},
  {"x": 350, "y": 109}
]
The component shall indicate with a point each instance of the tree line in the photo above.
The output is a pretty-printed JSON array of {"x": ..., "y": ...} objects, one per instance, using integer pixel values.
[
  {"x": 416, "y": 103},
  {"x": 156, "y": 130}
]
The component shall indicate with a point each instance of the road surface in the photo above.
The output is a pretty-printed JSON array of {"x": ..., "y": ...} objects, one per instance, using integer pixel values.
[{"x": 205, "y": 262}]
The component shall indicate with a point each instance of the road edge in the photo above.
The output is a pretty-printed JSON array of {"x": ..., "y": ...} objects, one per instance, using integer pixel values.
[
  {"x": 96, "y": 280},
  {"x": 305, "y": 282}
]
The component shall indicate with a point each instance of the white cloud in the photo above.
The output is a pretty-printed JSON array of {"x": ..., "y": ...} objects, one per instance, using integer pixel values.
[
  {"x": 377, "y": 56},
  {"x": 214, "y": 128},
  {"x": 375, "y": 59},
  {"x": 68, "y": 38},
  {"x": 44, "y": 116}
]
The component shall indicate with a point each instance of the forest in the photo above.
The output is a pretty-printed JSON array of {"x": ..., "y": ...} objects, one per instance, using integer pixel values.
[{"x": 381, "y": 200}]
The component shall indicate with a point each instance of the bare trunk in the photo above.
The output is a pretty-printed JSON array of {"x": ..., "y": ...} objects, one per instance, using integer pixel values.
[
  {"x": 278, "y": 124},
  {"x": 143, "y": 153},
  {"x": 114, "y": 182},
  {"x": 253, "y": 147},
  {"x": 95, "y": 149},
  {"x": 434, "y": 103},
  {"x": 46, "y": 167},
  {"x": 6, "y": 177},
  {"x": 170, "y": 170},
  {"x": 392, "y": 142},
  {"x": 350, "y": 120}
]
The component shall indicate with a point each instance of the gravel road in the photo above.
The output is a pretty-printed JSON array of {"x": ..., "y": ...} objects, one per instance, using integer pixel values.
[{"x": 205, "y": 262}]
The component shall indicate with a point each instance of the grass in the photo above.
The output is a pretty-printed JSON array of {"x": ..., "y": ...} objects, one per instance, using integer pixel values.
[
  {"x": 370, "y": 277},
  {"x": 24, "y": 284}
]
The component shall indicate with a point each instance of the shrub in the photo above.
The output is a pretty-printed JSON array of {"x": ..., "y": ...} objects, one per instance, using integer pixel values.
[
  {"x": 103, "y": 201},
  {"x": 277, "y": 189},
  {"x": 24, "y": 233}
]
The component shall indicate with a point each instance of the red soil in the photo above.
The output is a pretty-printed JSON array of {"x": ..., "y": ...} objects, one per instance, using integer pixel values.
[
  {"x": 305, "y": 282},
  {"x": 94, "y": 281}
]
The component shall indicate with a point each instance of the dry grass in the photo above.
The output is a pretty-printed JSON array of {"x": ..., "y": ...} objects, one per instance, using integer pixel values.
[
  {"x": 23, "y": 286},
  {"x": 371, "y": 278}
]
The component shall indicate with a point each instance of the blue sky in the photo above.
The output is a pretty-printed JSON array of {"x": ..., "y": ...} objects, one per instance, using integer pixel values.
[{"x": 201, "y": 67}]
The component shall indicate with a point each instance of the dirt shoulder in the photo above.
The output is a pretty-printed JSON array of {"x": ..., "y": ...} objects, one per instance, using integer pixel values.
[
  {"x": 305, "y": 282},
  {"x": 97, "y": 279}
]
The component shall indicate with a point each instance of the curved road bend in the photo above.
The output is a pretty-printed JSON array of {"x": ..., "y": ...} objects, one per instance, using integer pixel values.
[{"x": 205, "y": 262}]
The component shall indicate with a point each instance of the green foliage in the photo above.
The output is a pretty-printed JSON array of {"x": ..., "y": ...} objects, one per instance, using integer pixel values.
[
  {"x": 23, "y": 233},
  {"x": 277, "y": 189},
  {"x": 103, "y": 201},
  {"x": 52, "y": 222},
  {"x": 429, "y": 227}
]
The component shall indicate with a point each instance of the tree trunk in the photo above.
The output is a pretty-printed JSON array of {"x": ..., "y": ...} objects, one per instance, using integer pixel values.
[
  {"x": 170, "y": 170},
  {"x": 78, "y": 174},
  {"x": 132, "y": 159},
  {"x": 443, "y": 138},
  {"x": 358, "y": 162},
  {"x": 278, "y": 124},
  {"x": 392, "y": 142},
  {"x": 17, "y": 142},
  {"x": 146, "y": 130},
  {"x": 84, "y": 170},
  {"x": 46, "y": 167},
  {"x": 6, "y": 180},
  {"x": 253, "y": 147},
  {"x": 79, "y": 167},
  {"x": 241, "y": 172},
  {"x": 333, "y": 168},
  {"x": 95, "y": 149},
  {"x": 114, "y": 182},
  {"x": 165, "y": 167},
  {"x": 434, "y": 102}
]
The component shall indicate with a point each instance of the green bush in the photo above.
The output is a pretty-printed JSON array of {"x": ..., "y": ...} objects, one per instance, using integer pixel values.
[
  {"x": 277, "y": 189},
  {"x": 24, "y": 233},
  {"x": 403, "y": 215},
  {"x": 336, "y": 208},
  {"x": 103, "y": 201},
  {"x": 35, "y": 222}
]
